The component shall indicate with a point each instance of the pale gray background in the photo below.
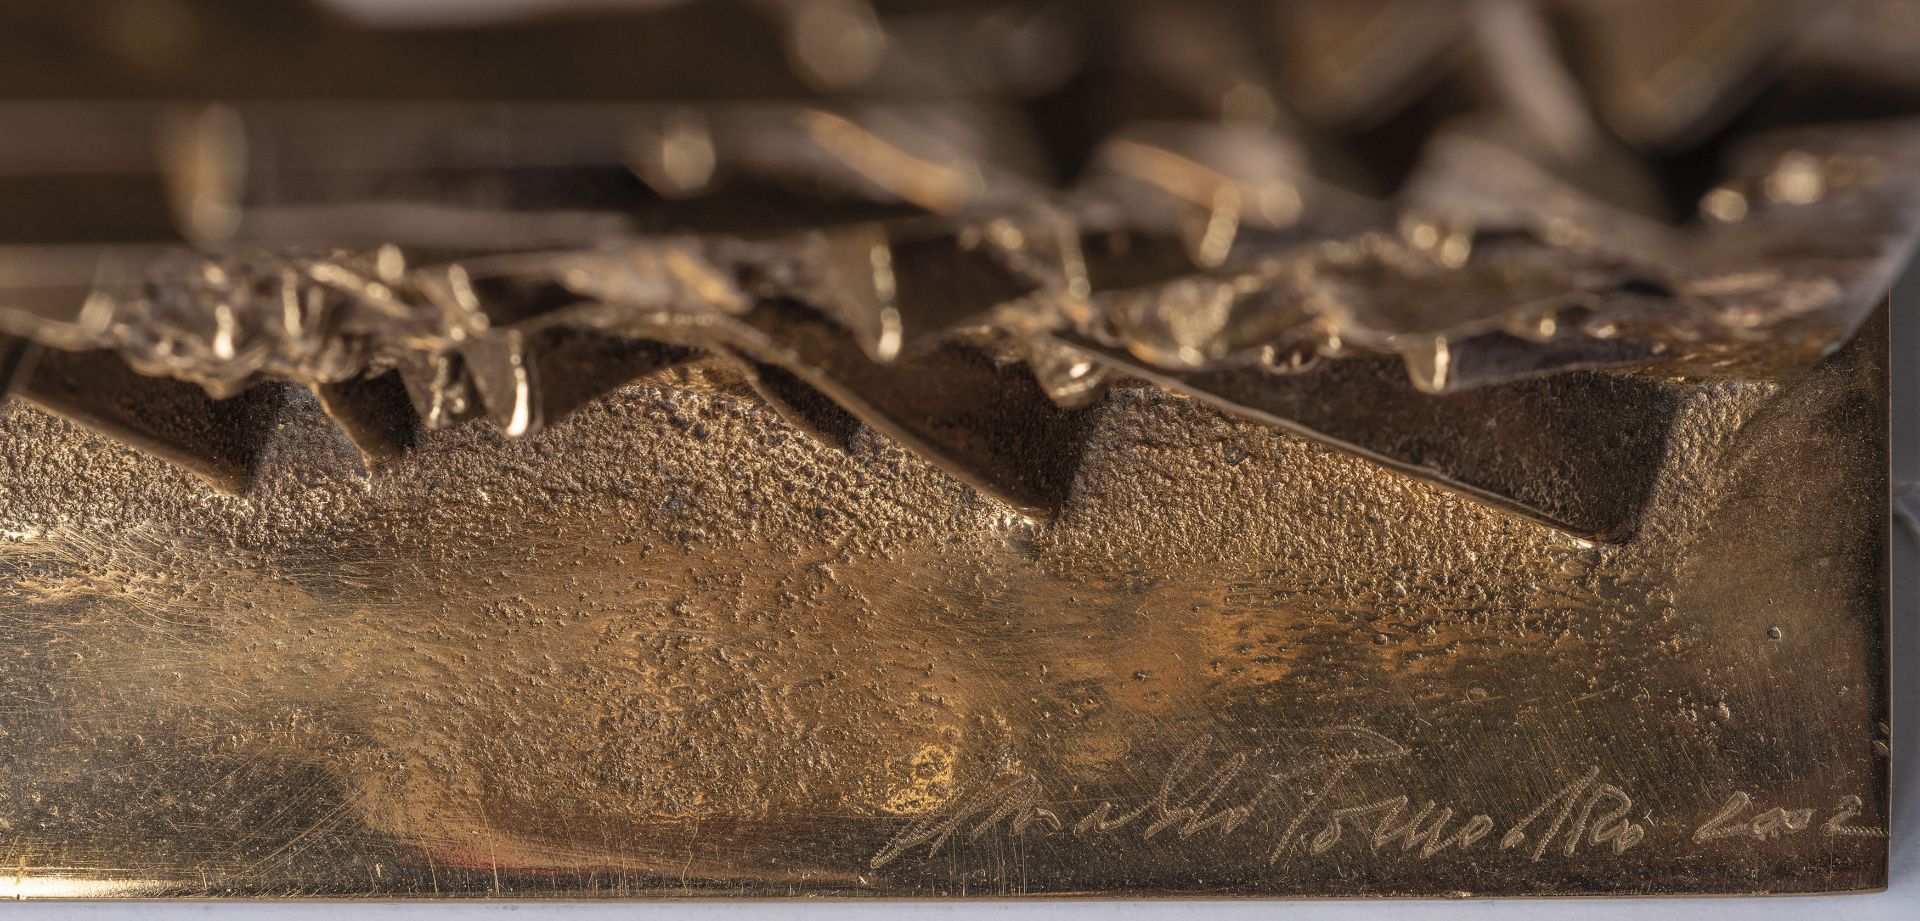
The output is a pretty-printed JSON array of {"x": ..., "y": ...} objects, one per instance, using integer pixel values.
[{"x": 1901, "y": 901}]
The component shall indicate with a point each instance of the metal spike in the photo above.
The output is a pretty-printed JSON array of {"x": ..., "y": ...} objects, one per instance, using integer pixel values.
[
  {"x": 375, "y": 413},
  {"x": 573, "y": 367},
  {"x": 502, "y": 376},
  {"x": 896, "y": 289},
  {"x": 440, "y": 389},
  {"x": 989, "y": 425},
  {"x": 218, "y": 440},
  {"x": 1577, "y": 451},
  {"x": 805, "y": 408},
  {"x": 948, "y": 280}
]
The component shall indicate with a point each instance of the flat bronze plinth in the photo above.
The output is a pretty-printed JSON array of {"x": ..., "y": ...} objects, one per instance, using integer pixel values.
[
  {"x": 842, "y": 448},
  {"x": 672, "y": 647}
]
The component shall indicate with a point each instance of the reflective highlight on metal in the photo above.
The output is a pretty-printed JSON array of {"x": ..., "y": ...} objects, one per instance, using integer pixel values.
[{"x": 846, "y": 448}]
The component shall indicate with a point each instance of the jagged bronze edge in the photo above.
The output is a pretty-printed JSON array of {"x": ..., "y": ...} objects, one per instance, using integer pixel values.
[{"x": 455, "y": 361}]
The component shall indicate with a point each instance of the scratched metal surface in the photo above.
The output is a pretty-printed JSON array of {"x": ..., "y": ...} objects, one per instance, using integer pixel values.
[
  {"x": 670, "y": 647},
  {"x": 712, "y": 636}
]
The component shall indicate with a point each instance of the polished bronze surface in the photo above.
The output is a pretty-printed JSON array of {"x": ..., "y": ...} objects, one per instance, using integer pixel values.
[
  {"x": 845, "y": 448},
  {"x": 673, "y": 647}
]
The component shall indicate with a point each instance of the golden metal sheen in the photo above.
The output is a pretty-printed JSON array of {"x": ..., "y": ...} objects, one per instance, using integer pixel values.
[
  {"x": 876, "y": 448},
  {"x": 672, "y": 648}
]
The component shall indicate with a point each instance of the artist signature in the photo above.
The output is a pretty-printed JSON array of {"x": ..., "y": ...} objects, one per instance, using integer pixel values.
[{"x": 1303, "y": 796}]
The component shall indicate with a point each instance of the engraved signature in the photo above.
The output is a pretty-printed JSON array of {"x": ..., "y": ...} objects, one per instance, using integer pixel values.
[
  {"x": 1733, "y": 820},
  {"x": 1306, "y": 780},
  {"x": 1297, "y": 796}
]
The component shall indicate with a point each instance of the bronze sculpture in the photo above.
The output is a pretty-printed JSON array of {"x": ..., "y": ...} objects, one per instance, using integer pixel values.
[{"x": 1260, "y": 447}]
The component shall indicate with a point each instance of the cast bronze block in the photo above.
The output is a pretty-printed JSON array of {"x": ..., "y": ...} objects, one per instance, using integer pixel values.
[{"x": 845, "y": 448}]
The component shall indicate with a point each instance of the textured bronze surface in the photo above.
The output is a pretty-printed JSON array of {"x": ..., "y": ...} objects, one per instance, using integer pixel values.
[
  {"x": 673, "y": 647},
  {"x": 848, "y": 448}
]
